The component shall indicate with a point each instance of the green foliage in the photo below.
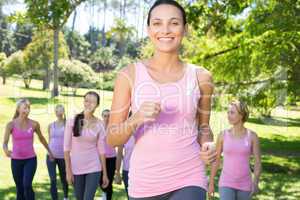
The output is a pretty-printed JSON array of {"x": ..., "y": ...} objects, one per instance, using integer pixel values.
[
  {"x": 15, "y": 65},
  {"x": 74, "y": 73},
  {"x": 104, "y": 58}
]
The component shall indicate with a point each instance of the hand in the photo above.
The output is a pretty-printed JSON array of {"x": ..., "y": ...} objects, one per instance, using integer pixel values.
[
  {"x": 70, "y": 177},
  {"x": 211, "y": 190},
  {"x": 255, "y": 189},
  {"x": 148, "y": 112},
  {"x": 51, "y": 157},
  {"x": 118, "y": 179},
  {"x": 105, "y": 181},
  {"x": 208, "y": 153},
  {"x": 8, "y": 153}
]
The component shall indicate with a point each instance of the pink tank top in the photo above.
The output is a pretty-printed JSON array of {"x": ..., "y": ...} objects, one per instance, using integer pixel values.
[
  {"x": 236, "y": 167},
  {"x": 56, "y": 144},
  {"x": 22, "y": 142},
  {"x": 166, "y": 153},
  {"x": 128, "y": 148}
]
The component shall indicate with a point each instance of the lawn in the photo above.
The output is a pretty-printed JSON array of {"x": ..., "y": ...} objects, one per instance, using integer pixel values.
[{"x": 279, "y": 136}]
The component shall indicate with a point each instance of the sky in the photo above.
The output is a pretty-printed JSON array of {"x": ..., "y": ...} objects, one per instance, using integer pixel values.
[{"x": 87, "y": 17}]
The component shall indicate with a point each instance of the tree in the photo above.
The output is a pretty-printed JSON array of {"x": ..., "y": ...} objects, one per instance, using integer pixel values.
[
  {"x": 78, "y": 45},
  {"x": 39, "y": 54},
  {"x": 121, "y": 33},
  {"x": 53, "y": 15},
  {"x": 74, "y": 73},
  {"x": 103, "y": 58},
  {"x": 15, "y": 65},
  {"x": 3, "y": 71}
]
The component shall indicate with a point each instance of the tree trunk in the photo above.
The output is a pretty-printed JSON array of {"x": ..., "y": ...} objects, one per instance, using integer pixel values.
[
  {"x": 104, "y": 23},
  {"x": 27, "y": 82},
  {"x": 46, "y": 81},
  {"x": 3, "y": 79},
  {"x": 55, "y": 91}
]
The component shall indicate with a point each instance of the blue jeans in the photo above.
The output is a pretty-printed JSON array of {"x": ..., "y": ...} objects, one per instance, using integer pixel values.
[
  {"x": 23, "y": 172},
  {"x": 227, "y": 193},
  {"x": 186, "y": 193},
  {"x": 85, "y": 185},
  {"x": 51, "y": 165}
]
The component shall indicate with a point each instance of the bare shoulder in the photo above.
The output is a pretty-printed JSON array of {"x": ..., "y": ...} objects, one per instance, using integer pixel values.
[
  {"x": 9, "y": 124},
  {"x": 34, "y": 123},
  {"x": 203, "y": 74},
  {"x": 253, "y": 135}
]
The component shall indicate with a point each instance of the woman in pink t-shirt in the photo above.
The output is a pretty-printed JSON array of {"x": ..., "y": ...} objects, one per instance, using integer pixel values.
[
  {"x": 164, "y": 94},
  {"x": 111, "y": 156},
  {"x": 237, "y": 145},
  {"x": 56, "y": 131},
  {"x": 23, "y": 157},
  {"x": 84, "y": 150}
]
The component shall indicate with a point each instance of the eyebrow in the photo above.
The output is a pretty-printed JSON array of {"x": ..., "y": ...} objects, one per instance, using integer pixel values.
[{"x": 170, "y": 19}]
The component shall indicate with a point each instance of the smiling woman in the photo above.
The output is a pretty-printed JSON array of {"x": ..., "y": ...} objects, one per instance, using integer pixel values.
[{"x": 169, "y": 100}]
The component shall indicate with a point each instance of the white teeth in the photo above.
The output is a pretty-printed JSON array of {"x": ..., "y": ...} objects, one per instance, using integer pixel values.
[{"x": 165, "y": 39}]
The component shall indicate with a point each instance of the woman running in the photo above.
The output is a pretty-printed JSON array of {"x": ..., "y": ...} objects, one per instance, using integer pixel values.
[
  {"x": 237, "y": 144},
  {"x": 111, "y": 156},
  {"x": 84, "y": 150},
  {"x": 56, "y": 144},
  {"x": 23, "y": 157},
  {"x": 164, "y": 94}
]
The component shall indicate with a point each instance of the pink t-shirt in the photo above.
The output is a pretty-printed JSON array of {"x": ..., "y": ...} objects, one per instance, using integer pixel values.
[
  {"x": 110, "y": 152},
  {"x": 128, "y": 148},
  {"x": 236, "y": 167},
  {"x": 22, "y": 142},
  {"x": 166, "y": 155},
  {"x": 85, "y": 150},
  {"x": 56, "y": 143}
]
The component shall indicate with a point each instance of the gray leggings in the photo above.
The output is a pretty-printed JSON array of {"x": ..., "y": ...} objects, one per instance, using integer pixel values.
[
  {"x": 85, "y": 185},
  {"x": 227, "y": 193},
  {"x": 186, "y": 193}
]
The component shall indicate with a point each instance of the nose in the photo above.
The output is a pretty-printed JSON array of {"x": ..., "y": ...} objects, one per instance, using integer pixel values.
[{"x": 165, "y": 29}]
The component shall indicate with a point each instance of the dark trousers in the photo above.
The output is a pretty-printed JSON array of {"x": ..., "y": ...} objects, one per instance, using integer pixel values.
[
  {"x": 51, "y": 165},
  {"x": 125, "y": 180},
  {"x": 85, "y": 185},
  {"x": 111, "y": 168},
  {"x": 23, "y": 172}
]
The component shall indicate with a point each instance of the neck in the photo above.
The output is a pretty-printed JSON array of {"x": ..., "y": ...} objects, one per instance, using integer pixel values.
[
  {"x": 165, "y": 61},
  {"x": 22, "y": 118},
  {"x": 88, "y": 115},
  {"x": 60, "y": 119},
  {"x": 238, "y": 129}
]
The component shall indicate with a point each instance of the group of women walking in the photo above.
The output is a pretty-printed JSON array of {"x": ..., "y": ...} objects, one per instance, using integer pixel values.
[{"x": 166, "y": 143}]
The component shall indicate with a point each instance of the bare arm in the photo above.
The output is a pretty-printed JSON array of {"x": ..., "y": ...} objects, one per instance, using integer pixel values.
[
  {"x": 119, "y": 159},
  {"x": 6, "y": 139},
  {"x": 120, "y": 127},
  {"x": 41, "y": 137},
  {"x": 257, "y": 157},
  {"x": 206, "y": 87},
  {"x": 216, "y": 164}
]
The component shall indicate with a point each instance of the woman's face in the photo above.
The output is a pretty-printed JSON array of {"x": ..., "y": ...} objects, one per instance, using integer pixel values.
[
  {"x": 24, "y": 109},
  {"x": 105, "y": 116},
  {"x": 59, "y": 112},
  {"x": 234, "y": 117},
  {"x": 166, "y": 29},
  {"x": 90, "y": 103}
]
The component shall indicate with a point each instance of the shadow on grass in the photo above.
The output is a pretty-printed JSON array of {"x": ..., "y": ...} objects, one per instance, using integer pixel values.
[
  {"x": 42, "y": 192},
  {"x": 276, "y": 121},
  {"x": 281, "y": 145},
  {"x": 37, "y": 100}
]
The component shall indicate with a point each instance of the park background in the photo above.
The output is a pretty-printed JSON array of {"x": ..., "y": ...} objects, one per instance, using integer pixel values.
[{"x": 53, "y": 53}]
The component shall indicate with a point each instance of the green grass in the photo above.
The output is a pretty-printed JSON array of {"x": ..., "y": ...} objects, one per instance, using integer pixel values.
[{"x": 279, "y": 138}]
